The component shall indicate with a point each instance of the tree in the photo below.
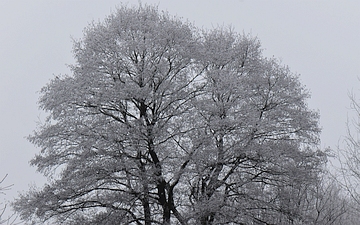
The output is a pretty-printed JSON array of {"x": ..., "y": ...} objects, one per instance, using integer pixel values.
[
  {"x": 247, "y": 111},
  {"x": 162, "y": 123},
  {"x": 348, "y": 156},
  {"x": 3, "y": 206}
]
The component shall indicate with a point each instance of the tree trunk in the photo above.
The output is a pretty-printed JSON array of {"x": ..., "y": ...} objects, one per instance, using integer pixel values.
[
  {"x": 145, "y": 199},
  {"x": 161, "y": 183}
]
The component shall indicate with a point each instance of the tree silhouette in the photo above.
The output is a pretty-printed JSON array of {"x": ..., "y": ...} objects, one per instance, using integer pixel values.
[{"x": 162, "y": 123}]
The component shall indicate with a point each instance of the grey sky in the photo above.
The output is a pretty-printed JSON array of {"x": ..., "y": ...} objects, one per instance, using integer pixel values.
[{"x": 319, "y": 39}]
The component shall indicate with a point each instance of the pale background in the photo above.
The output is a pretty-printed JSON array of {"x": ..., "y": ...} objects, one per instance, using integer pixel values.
[{"x": 319, "y": 39}]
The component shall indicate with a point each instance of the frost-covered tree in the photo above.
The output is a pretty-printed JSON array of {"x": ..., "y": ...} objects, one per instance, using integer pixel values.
[
  {"x": 163, "y": 123},
  {"x": 258, "y": 134}
]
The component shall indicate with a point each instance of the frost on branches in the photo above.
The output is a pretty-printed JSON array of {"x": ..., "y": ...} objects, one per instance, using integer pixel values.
[{"x": 163, "y": 123}]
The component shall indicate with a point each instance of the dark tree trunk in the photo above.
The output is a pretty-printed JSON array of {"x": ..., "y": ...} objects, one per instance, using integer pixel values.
[
  {"x": 145, "y": 198},
  {"x": 161, "y": 183}
]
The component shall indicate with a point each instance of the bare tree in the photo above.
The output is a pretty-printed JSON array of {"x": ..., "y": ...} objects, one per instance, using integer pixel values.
[
  {"x": 10, "y": 219},
  {"x": 163, "y": 123},
  {"x": 348, "y": 156}
]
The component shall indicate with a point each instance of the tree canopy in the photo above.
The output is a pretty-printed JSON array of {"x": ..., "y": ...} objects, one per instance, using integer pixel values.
[{"x": 161, "y": 122}]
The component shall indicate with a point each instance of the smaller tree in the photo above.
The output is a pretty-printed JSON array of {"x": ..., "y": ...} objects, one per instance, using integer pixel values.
[
  {"x": 3, "y": 206},
  {"x": 330, "y": 204},
  {"x": 349, "y": 155}
]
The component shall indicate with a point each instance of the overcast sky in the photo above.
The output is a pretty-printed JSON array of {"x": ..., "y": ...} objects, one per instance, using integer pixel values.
[{"x": 318, "y": 39}]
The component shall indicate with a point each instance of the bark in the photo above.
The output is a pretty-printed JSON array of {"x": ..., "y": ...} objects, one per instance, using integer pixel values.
[
  {"x": 145, "y": 199},
  {"x": 161, "y": 184},
  {"x": 213, "y": 183}
]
